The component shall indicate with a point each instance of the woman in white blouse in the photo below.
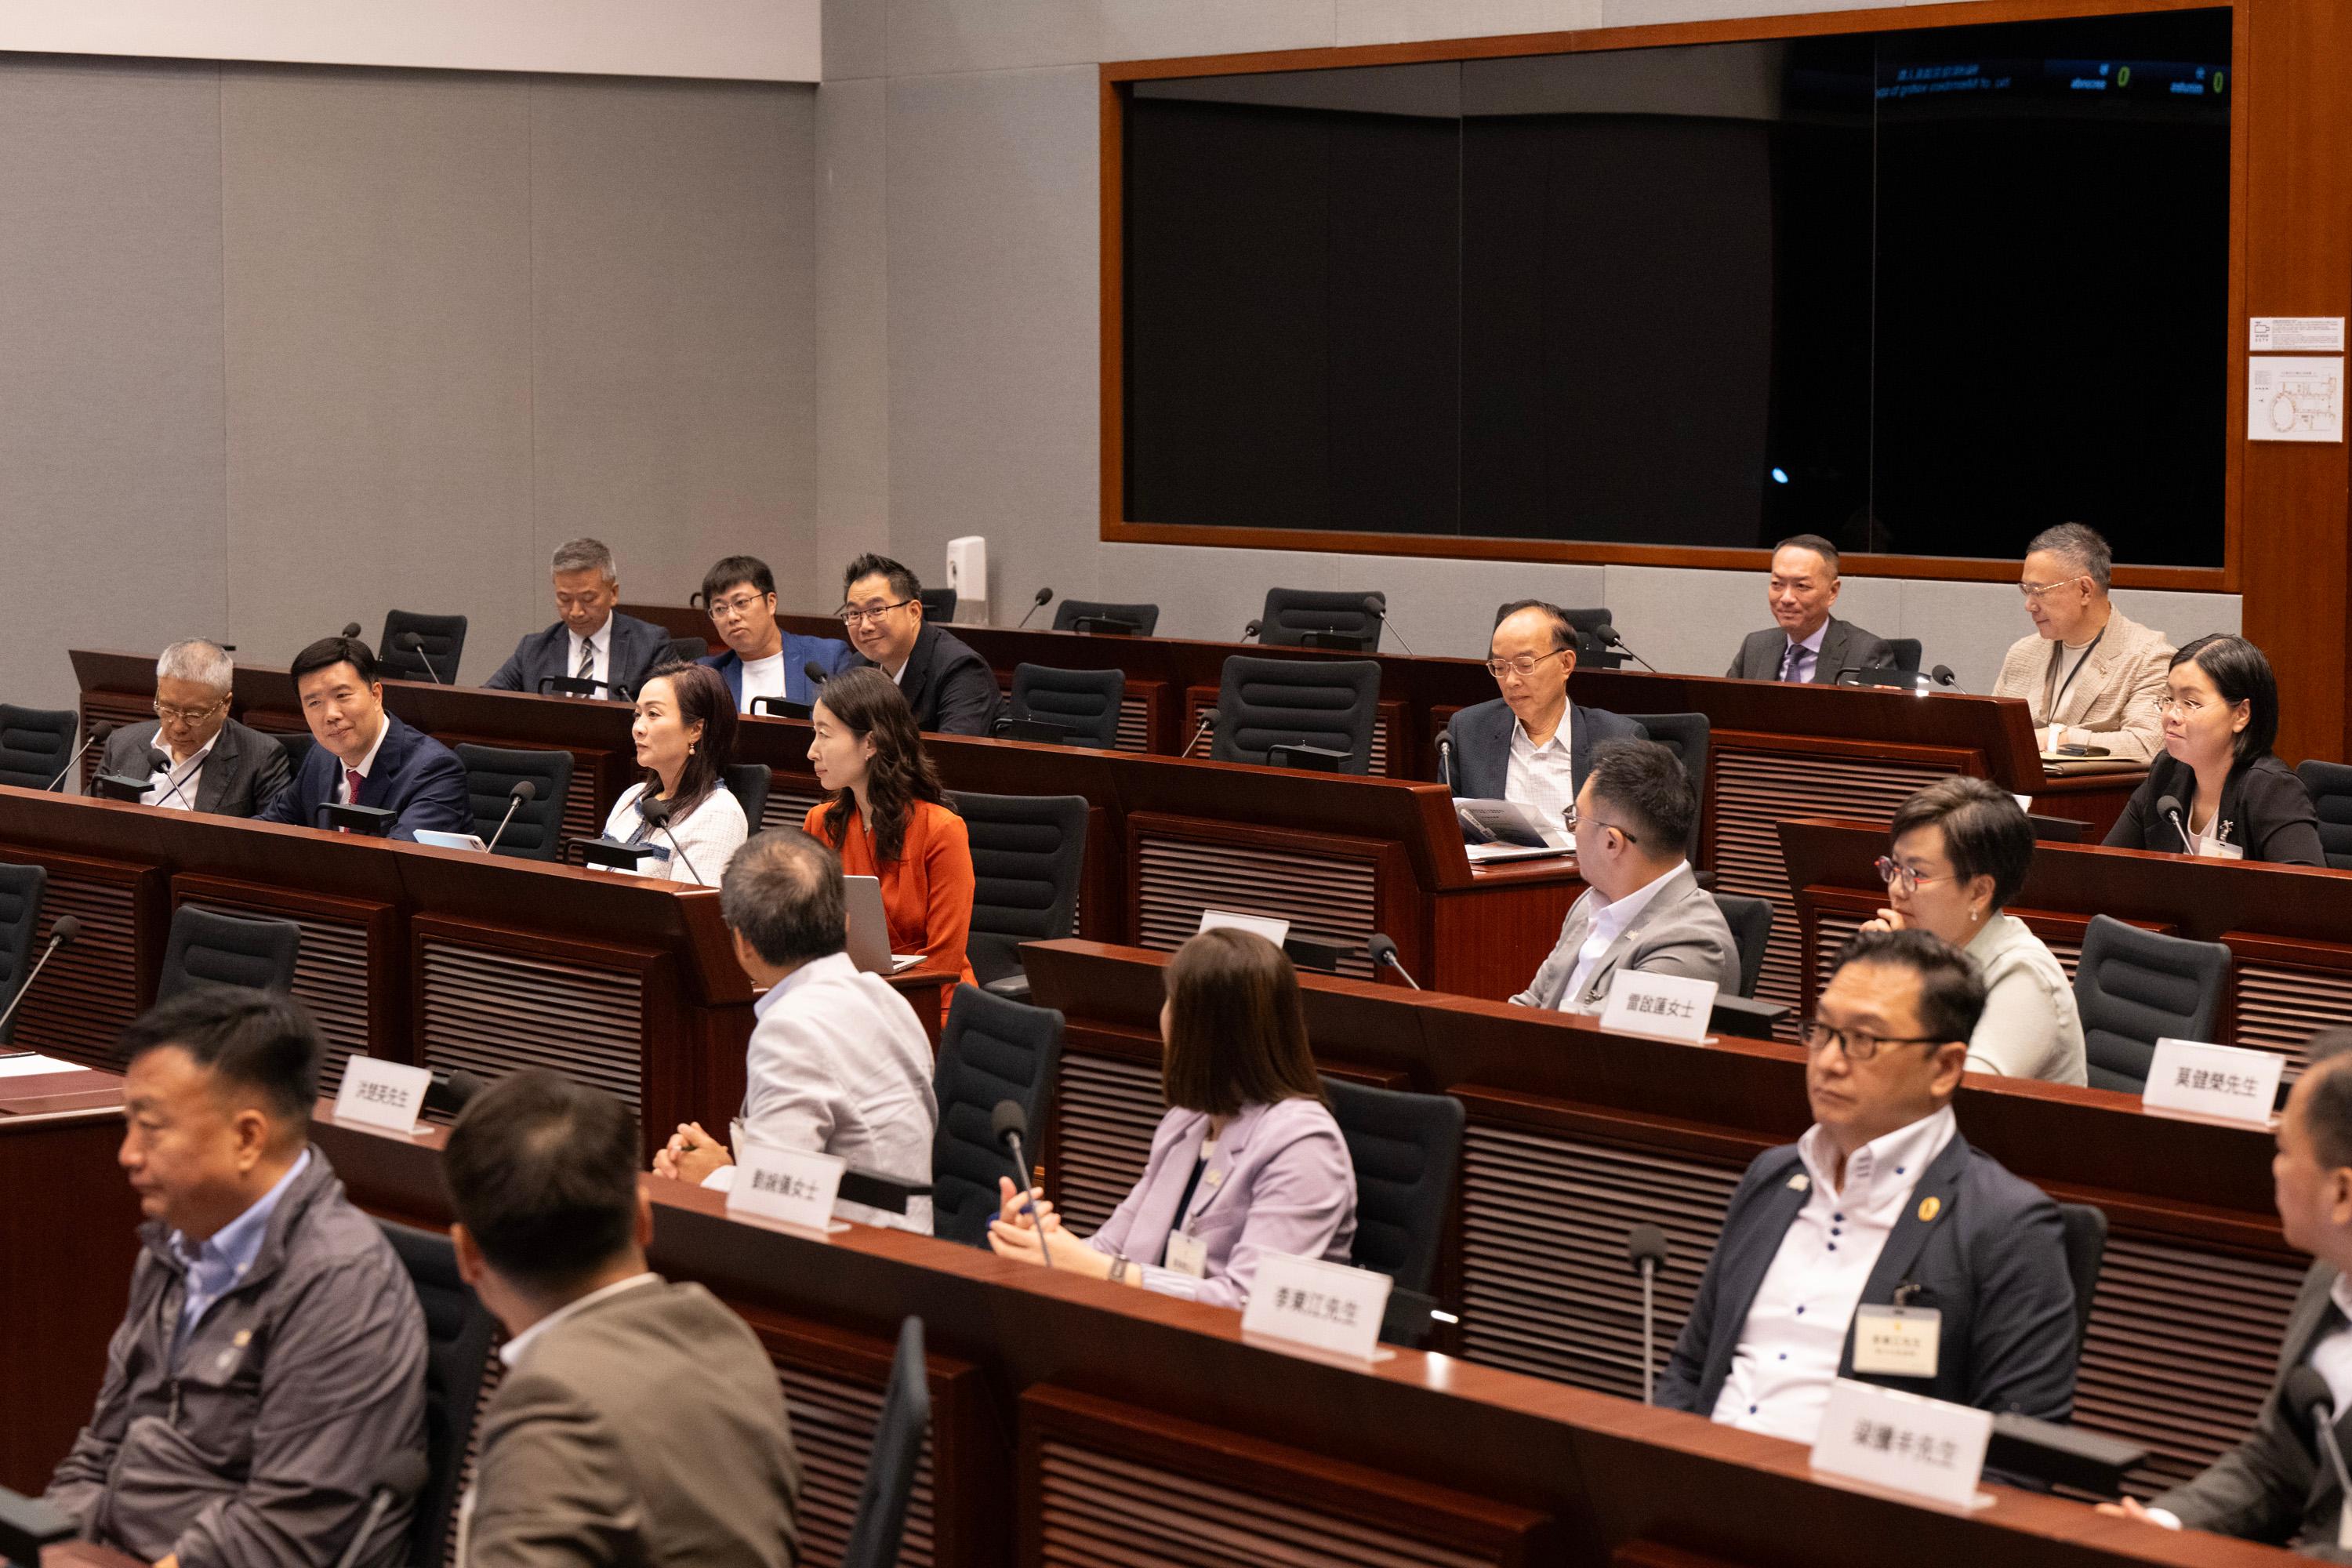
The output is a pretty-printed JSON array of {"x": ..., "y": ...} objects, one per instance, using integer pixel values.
[
  {"x": 685, "y": 732},
  {"x": 1960, "y": 853}
]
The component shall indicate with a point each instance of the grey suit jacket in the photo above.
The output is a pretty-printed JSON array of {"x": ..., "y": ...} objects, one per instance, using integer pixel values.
[
  {"x": 1681, "y": 931},
  {"x": 1844, "y": 645},
  {"x": 241, "y": 775},
  {"x": 647, "y": 1429},
  {"x": 2272, "y": 1486},
  {"x": 636, "y": 646},
  {"x": 1481, "y": 743}
]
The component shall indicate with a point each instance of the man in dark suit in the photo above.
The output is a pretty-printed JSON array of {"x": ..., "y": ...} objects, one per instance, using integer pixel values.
[
  {"x": 1881, "y": 1207},
  {"x": 591, "y": 641},
  {"x": 1809, "y": 644},
  {"x": 762, "y": 659},
  {"x": 211, "y": 762},
  {"x": 950, "y": 687},
  {"x": 367, "y": 756},
  {"x": 1530, "y": 745}
]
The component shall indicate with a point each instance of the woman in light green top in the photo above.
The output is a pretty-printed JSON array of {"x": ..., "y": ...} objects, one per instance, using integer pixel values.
[{"x": 1960, "y": 853}]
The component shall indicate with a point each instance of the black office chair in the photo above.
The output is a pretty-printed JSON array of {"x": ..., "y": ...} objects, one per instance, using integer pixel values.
[
  {"x": 297, "y": 747},
  {"x": 36, "y": 744},
  {"x": 458, "y": 1334},
  {"x": 1750, "y": 920},
  {"x": 1406, "y": 1149},
  {"x": 2086, "y": 1250},
  {"x": 209, "y": 949},
  {"x": 535, "y": 832},
  {"x": 1303, "y": 617},
  {"x": 1591, "y": 652},
  {"x": 683, "y": 650},
  {"x": 442, "y": 642},
  {"x": 992, "y": 1050},
  {"x": 899, "y": 1437},
  {"x": 1083, "y": 701},
  {"x": 2134, "y": 987},
  {"x": 1028, "y": 852},
  {"x": 1687, "y": 736},
  {"x": 21, "y": 888},
  {"x": 1131, "y": 620},
  {"x": 1267, "y": 703},
  {"x": 938, "y": 605},
  {"x": 750, "y": 781},
  {"x": 2330, "y": 787},
  {"x": 1906, "y": 654}
]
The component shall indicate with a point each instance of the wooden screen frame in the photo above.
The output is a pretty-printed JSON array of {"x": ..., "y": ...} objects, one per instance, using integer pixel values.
[{"x": 1115, "y": 76}]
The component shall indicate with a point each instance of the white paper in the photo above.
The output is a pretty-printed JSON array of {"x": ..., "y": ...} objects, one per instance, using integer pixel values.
[
  {"x": 378, "y": 1093},
  {"x": 1274, "y": 931},
  {"x": 2292, "y": 334},
  {"x": 2225, "y": 1081},
  {"x": 1325, "y": 1307},
  {"x": 2295, "y": 398},
  {"x": 30, "y": 1066},
  {"x": 792, "y": 1186},
  {"x": 1902, "y": 1442},
  {"x": 1670, "y": 1006}
]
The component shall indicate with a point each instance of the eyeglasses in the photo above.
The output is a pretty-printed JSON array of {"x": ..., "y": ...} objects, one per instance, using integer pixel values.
[
  {"x": 1522, "y": 666},
  {"x": 1893, "y": 872},
  {"x": 866, "y": 617},
  {"x": 1857, "y": 1045},
  {"x": 171, "y": 715},
  {"x": 2035, "y": 590},
  {"x": 1570, "y": 816},
  {"x": 2165, "y": 705},
  {"x": 740, "y": 604}
]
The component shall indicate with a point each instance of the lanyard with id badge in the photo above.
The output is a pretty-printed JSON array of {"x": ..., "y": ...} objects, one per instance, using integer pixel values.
[
  {"x": 1900, "y": 1340},
  {"x": 1188, "y": 1254}
]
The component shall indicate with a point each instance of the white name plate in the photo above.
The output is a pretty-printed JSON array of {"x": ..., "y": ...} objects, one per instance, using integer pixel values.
[
  {"x": 1671, "y": 1006},
  {"x": 2224, "y": 1082},
  {"x": 791, "y": 1187},
  {"x": 1274, "y": 931},
  {"x": 1902, "y": 1442},
  {"x": 1326, "y": 1308},
  {"x": 376, "y": 1093}
]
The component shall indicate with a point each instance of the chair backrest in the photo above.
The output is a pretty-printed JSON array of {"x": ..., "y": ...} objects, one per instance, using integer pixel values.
[
  {"x": 297, "y": 746},
  {"x": 749, "y": 783},
  {"x": 209, "y": 949},
  {"x": 2134, "y": 987},
  {"x": 1265, "y": 702},
  {"x": 2087, "y": 1249},
  {"x": 1590, "y": 648},
  {"x": 536, "y": 831},
  {"x": 1028, "y": 852},
  {"x": 1290, "y": 613},
  {"x": 21, "y": 888},
  {"x": 1750, "y": 920},
  {"x": 2330, "y": 787},
  {"x": 899, "y": 1437},
  {"x": 1407, "y": 1148},
  {"x": 1083, "y": 702},
  {"x": 992, "y": 1050},
  {"x": 1906, "y": 654},
  {"x": 1687, "y": 736},
  {"x": 444, "y": 644},
  {"x": 34, "y": 743},
  {"x": 938, "y": 605},
  {"x": 1144, "y": 618},
  {"x": 458, "y": 1334},
  {"x": 683, "y": 650}
]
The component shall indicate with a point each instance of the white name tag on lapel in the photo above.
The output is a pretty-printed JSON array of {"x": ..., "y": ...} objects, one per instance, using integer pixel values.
[
  {"x": 377, "y": 1093},
  {"x": 2224, "y": 1082},
  {"x": 1670, "y": 1006},
  {"x": 1896, "y": 1341},
  {"x": 1324, "y": 1307},
  {"x": 1274, "y": 931},
  {"x": 1902, "y": 1442},
  {"x": 791, "y": 1187}
]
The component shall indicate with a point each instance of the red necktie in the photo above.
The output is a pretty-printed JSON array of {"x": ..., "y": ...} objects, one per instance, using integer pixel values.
[{"x": 353, "y": 781}]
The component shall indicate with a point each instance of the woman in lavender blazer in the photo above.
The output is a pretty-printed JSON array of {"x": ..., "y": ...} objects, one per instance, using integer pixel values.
[{"x": 1248, "y": 1160}]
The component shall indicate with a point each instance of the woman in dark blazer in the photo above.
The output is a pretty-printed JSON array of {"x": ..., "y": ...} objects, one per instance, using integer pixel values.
[{"x": 2236, "y": 800}]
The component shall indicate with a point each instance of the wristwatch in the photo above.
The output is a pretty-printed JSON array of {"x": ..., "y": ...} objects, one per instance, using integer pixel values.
[{"x": 1118, "y": 1270}]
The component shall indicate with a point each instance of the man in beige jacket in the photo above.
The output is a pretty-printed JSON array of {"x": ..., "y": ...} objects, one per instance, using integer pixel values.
[{"x": 2090, "y": 675}]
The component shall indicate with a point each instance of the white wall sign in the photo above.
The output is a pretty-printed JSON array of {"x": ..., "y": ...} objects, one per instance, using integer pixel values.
[
  {"x": 2296, "y": 334},
  {"x": 2295, "y": 397}
]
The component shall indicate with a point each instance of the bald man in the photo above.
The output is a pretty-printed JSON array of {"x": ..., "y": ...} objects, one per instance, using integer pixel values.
[{"x": 1531, "y": 745}]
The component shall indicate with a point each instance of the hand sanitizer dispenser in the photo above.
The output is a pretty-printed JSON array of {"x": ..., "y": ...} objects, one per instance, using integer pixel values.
[{"x": 968, "y": 575}]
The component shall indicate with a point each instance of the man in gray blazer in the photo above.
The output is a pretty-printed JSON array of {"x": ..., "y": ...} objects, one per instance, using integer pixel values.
[
  {"x": 591, "y": 641},
  {"x": 1806, "y": 643},
  {"x": 638, "y": 1421},
  {"x": 210, "y": 762},
  {"x": 1644, "y": 909},
  {"x": 1881, "y": 1204},
  {"x": 1531, "y": 744}
]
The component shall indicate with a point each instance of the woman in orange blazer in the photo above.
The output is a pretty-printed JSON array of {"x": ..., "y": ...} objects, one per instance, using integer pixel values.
[{"x": 886, "y": 816}]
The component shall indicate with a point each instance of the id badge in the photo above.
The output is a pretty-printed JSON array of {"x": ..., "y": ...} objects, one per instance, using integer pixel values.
[
  {"x": 1896, "y": 1341},
  {"x": 1188, "y": 1255},
  {"x": 2224, "y": 852}
]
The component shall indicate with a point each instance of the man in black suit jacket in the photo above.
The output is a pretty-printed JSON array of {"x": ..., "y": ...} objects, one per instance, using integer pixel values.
[
  {"x": 592, "y": 640},
  {"x": 949, "y": 685},
  {"x": 367, "y": 756},
  {"x": 211, "y": 762},
  {"x": 1809, "y": 644},
  {"x": 1511, "y": 747},
  {"x": 1880, "y": 1205}
]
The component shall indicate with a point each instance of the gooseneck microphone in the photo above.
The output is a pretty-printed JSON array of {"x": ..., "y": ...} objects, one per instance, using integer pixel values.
[
  {"x": 2168, "y": 808},
  {"x": 1605, "y": 634},
  {"x": 99, "y": 734},
  {"x": 1253, "y": 629},
  {"x": 414, "y": 642},
  {"x": 1008, "y": 1122},
  {"x": 816, "y": 673},
  {"x": 1942, "y": 676},
  {"x": 656, "y": 813},
  {"x": 524, "y": 789},
  {"x": 350, "y": 629},
  {"x": 160, "y": 761},
  {"x": 1044, "y": 597},
  {"x": 1208, "y": 724},
  {"x": 2309, "y": 1401},
  {"x": 1445, "y": 759},
  {"x": 1377, "y": 606},
  {"x": 1645, "y": 1253},
  {"x": 64, "y": 931},
  {"x": 1384, "y": 954}
]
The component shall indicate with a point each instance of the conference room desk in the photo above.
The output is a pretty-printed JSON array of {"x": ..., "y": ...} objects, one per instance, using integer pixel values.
[
  {"x": 1576, "y": 1135},
  {"x": 1074, "y": 1421}
]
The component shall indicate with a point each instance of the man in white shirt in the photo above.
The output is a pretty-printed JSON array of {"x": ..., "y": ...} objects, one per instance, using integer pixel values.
[
  {"x": 209, "y": 762},
  {"x": 762, "y": 659},
  {"x": 1879, "y": 1245},
  {"x": 839, "y": 1063},
  {"x": 1530, "y": 745}
]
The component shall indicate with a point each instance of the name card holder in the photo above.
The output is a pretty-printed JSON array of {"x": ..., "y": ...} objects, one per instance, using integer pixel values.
[
  {"x": 388, "y": 1096},
  {"x": 1904, "y": 1443},
  {"x": 2220, "y": 1083},
  {"x": 1272, "y": 930},
  {"x": 1665, "y": 1007},
  {"x": 1326, "y": 1311},
  {"x": 789, "y": 1187}
]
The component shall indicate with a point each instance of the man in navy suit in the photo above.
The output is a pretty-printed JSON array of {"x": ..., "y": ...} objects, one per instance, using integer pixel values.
[
  {"x": 1879, "y": 1245},
  {"x": 367, "y": 756},
  {"x": 762, "y": 659},
  {"x": 1530, "y": 745},
  {"x": 591, "y": 641}
]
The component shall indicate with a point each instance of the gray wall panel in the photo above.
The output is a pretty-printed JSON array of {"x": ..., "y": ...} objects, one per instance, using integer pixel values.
[{"x": 852, "y": 337}]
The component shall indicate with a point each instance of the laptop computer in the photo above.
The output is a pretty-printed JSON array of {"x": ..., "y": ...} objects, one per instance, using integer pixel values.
[{"x": 869, "y": 929}]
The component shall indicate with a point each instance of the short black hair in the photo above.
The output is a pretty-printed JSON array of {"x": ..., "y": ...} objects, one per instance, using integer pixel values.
[
  {"x": 329, "y": 652},
  {"x": 1563, "y": 630},
  {"x": 542, "y": 1173},
  {"x": 1645, "y": 781},
  {"x": 1951, "y": 994},
  {"x": 782, "y": 889},
  {"x": 734, "y": 569},
  {"x": 2328, "y": 1102},
  {"x": 258, "y": 1040},
  {"x": 903, "y": 583},
  {"x": 1814, "y": 543},
  {"x": 2241, "y": 674},
  {"x": 1986, "y": 832}
]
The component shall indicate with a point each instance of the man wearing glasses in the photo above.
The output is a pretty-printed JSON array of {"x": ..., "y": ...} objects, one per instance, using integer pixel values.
[
  {"x": 1530, "y": 745},
  {"x": 950, "y": 687},
  {"x": 1879, "y": 1245},
  {"x": 762, "y": 659},
  {"x": 2092, "y": 676},
  {"x": 210, "y": 762}
]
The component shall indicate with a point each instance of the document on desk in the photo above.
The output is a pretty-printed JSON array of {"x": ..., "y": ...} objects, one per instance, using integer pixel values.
[{"x": 33, "y": 1065}]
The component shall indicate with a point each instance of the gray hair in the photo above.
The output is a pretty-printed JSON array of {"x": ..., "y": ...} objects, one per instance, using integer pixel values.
[
  {"x": 581, "y": 555},
  {"x": 2080, "y": 547},
  {"x": 195, "y": 658}
]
